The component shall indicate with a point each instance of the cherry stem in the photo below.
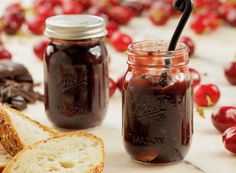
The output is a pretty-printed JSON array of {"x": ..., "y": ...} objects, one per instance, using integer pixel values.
[
  {"x": 209, "y": 101},
  {"x": 201, "y": 112}
]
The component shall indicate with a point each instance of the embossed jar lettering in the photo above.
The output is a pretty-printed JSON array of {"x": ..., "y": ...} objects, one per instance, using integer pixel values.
[
  {"x": 149, "y": 107},
  {"x": 70, "y": 76}
]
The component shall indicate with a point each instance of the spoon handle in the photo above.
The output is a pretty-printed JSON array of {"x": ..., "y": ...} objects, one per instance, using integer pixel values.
[{"x": 186, "y": 8}]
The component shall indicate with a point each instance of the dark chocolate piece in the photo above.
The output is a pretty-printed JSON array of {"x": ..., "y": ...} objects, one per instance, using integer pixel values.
[
  {"x": 16, "y": 86},
  {"x": 12, "y": 70}
]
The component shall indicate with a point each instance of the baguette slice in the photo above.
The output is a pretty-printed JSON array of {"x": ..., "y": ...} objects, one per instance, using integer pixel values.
[
  {"x": 5, "y": 158},
  {"x": 18, "y": 131},
  {"x": 76, "y": 152}
]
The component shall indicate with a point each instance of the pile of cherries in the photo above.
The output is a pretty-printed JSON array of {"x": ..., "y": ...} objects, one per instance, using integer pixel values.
[
  {"x": 208, "y": 16},
  {"x": 118, "y": 12},
  {"x": 224, "y": 120},
  {"x": 224, "y": 117}
]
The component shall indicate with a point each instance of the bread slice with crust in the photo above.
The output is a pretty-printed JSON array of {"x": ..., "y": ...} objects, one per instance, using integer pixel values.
[
  {"x": 18, "y": 131},
  {"x": 5, "y": 158},
  {"x": 76, "y": 152}
]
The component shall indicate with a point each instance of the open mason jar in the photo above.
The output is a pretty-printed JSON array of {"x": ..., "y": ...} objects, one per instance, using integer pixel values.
[{"x": 157, "y": 103}]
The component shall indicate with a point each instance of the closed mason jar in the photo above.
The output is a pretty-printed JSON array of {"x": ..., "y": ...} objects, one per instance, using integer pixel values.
[
  {"x": 76, "y": 71},
  {"x": 157, "y": 103}
]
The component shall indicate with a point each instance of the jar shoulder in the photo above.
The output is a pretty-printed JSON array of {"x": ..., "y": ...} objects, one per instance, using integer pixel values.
[{"x": 77, "y": 53}]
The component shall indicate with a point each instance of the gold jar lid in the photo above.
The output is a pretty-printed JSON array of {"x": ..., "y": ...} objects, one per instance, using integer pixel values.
[{"x": 75, "y": 27}]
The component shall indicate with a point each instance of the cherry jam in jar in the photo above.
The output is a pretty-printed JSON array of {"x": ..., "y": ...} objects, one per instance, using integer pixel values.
[
  {"x": 76, "y": 71},
  {"x": 157, "y": 103}
]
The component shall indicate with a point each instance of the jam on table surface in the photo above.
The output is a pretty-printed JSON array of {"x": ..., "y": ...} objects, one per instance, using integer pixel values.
[
  {"x": 157, "y": 121},
  {"x": 76, "y": 84}
]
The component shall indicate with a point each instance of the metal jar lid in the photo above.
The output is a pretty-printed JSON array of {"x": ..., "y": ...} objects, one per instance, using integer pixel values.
[{"x": 75, "y": 27}]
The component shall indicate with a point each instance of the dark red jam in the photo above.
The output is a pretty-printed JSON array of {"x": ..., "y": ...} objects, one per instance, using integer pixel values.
[
  {"x": 157, "y": 121},
  {"x": 76, "y": 83}
]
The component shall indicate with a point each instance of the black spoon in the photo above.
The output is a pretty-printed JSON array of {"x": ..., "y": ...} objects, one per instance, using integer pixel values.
[{"x": 186, "y": 8}]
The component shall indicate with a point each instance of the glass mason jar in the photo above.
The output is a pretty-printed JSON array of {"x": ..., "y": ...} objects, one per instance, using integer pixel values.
[
  {"x": 76, "y": 71},
  {"x": 157, "y": 103}
]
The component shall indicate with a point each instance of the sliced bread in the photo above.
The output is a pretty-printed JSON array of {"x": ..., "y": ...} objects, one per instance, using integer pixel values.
[
  {"x": 76, "y": 152},
  {"x": 18, "y": 131},
  {"x": 5, "y": 158}
]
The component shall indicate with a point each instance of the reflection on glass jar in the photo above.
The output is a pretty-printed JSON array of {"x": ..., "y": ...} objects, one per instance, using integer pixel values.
[{"x": 157, "y": 103}]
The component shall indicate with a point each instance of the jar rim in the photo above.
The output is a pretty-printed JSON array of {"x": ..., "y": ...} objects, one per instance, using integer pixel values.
[
  {"x": 155, "y": 54},
  {"x": 142, "y": 48}
]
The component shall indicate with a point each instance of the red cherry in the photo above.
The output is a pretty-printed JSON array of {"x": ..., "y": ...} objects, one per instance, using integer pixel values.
[
  {"x": 111, "y": 28},
  {"x": 39, "y": 49},
  {"x": 53, "y": 3},
  {"x": 37, "y": 25},
  {"x": 230, "y": 72},
  {"x": 136, "y": 6},
  {"x": 229, "y": 139},
  {"x": 206, "y": 95},
  {"x": 205, "y": 22},
  {"x": 120, "y": 14},
  {"x": 230, "y": 15},
  {"x": 13, "y": 20},
  {"x": 14, "y": 6},
  {"x": 112, "y": 87},
  {"x": 113, "y": 2},
  {"x": 4, "y": 53},
  {"x": 120, "y": 41},
  {"x": 223, "y": 10},
  {"x": 224, "y": 117},
  {"x": 198, "y": 24},
  {"x": 93, "y": 11},
  {"x": 107, "y": 3},
  {"x": 189, "y": 42},
  {"x": 206, "y": 4},
  {"x": 71, "y": 7},
  {"x": 200, "y": 3},
  {"x": 147, "y": 4},
  {"x": 228, "y": 12},
  {"x": 196, "y": 77},
  {"x": 45, "y": 10},
  {"x": 98, "y": 11},
  {"x": 85, "y": 3},
  {"x": 120, "y": 83},
  {"x": 160, "y": 12}
]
